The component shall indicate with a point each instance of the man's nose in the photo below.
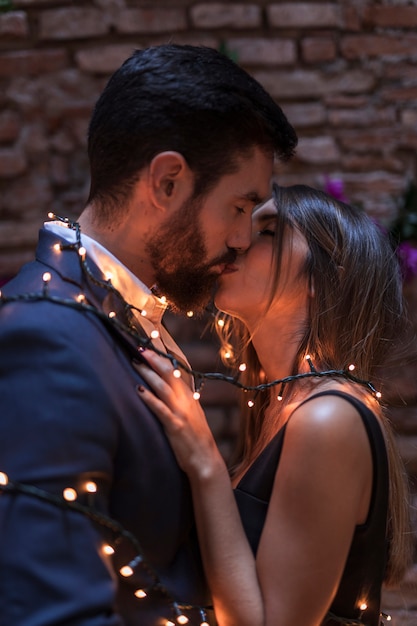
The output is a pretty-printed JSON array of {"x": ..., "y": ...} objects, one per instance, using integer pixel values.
[{"x": 241, "y": 239}]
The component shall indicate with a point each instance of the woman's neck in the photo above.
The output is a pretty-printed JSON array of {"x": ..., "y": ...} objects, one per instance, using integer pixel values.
[{"x": 277, "y": 344}]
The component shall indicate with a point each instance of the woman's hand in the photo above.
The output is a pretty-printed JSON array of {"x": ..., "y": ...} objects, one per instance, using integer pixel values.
[{"x": 181, "y": 415}]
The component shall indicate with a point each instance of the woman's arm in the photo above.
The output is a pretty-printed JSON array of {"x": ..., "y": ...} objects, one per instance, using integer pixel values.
[
  {"x": 322, "y": 490},
  {"x": 228, "y": 559}
]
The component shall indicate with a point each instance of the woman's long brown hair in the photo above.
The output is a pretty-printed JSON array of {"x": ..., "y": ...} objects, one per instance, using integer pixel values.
[{"x": 356, "y": 316}]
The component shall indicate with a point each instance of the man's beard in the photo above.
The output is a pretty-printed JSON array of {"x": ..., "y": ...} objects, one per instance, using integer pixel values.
[{"x": 179, "y": 258}]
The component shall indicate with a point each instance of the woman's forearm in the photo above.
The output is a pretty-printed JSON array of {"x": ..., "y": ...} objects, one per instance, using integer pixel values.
[{"x": 228, "y": 559}]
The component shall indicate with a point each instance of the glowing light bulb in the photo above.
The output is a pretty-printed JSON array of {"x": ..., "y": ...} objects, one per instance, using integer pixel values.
[
  {"x": 112, "y": 314},
  {"x": 143, "y": 313},
  {"x": 204, "y": 624},
  {"x": 251, "y": 403},
  {"x": 163, "y": 299},
  {"x": 220, "y": 323},
  {"x": 51, "y": 215},
  {"x": 242, "y": 367},
  {"x": 196, "y": 395},
  {"x": 154, "y": 334},
  {"x": 363, "y": 606},
  {"x": 4, "y": 479},
  {"x": 227, "y": 355},
  {"x": 91, "y": 486},
  {"x": 190, "y": 313},
  {"x": 378, "y": 394},
  {"x": 176, "y": 373},
  {"x": 57, "y": 247},
  {"x": 69, "y": 494},
  {"x": 351, "y": 367},
  {"x": 182, "y": 619},
  {"x": 169, "y": 623},
  {"x": 46, "y": 277},
  {"x": 140, "y": 593},
  {"x": 80, "y": 297},
  {"x": 108, "y": 549},
  {"x": 126, "y": 571},
  {"x": 308, "y": 357},
  {"x": 279, "y": 398},
  {"x": 108, "y": 275},
  {"x": 82, "y": 252}
]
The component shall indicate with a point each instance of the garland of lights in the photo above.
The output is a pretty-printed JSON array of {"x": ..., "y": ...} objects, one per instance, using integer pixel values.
[
  {"x": 68, "y": 499},
  {"x": 146, "y": 342}
]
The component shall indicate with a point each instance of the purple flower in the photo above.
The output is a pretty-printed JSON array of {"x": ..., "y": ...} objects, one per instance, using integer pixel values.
[
  {"x": 335, "y": 188},
  {"x": 407, "y": 255}
]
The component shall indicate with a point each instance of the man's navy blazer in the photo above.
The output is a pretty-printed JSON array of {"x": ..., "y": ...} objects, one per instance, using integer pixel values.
[{"x": 70, "y": 413}]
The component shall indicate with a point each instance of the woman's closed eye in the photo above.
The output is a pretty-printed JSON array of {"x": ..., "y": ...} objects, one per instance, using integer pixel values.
[{"x": 267, "y": 231}]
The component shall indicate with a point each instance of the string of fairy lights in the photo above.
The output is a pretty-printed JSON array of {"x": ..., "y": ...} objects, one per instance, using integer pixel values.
[{"x": 68, "y": 499}]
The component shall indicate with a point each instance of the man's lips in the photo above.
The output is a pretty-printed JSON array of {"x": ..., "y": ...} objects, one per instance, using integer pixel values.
[{"x": 229, "y": 268}]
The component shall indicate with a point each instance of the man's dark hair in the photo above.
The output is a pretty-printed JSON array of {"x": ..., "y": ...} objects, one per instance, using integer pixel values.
[{"x": 193, "y": 100}]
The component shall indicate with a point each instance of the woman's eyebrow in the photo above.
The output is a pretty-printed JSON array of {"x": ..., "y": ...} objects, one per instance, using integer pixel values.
[{"x": 266, "y": 217}]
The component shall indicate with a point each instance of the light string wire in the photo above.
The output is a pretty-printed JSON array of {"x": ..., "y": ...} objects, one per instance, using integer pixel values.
[
  {"x": 144, "y": 342},
  {"x": 118, "y": 531}
]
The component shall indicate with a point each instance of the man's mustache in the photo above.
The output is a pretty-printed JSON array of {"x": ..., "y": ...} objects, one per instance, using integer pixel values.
[{"x": 226, "y": 259}]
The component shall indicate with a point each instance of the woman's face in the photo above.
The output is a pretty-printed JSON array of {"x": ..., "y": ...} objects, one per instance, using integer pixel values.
[{"x": 244, "y": 290}]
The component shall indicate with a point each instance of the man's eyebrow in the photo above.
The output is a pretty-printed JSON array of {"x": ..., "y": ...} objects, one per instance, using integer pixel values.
[{"x": 254, "y": 197}]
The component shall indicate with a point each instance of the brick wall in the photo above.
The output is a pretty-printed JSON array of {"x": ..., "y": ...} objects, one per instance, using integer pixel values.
[{"x": 344, "y": 71}]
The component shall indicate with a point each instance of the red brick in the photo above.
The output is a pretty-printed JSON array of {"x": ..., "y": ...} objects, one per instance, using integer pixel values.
[
  {"x": 29, "y": 195},
  {"x": 261, "y": 51},
  {"x": 391, "y": 16},
  {"x": 371, "y": 163},
  {"x": 362, "y": 46},
  {"x": 319, "y": 150},
  {"x": 408, "y": 140},
  {"x": 24, "y": 234},
  {"x": 10, "y": 126},
  {"x": 103, "y": 59},
  {"x": 33, "y": 140},
  {"x": 370, "y": 140},
  {"x": 404, "y": 72},
  {"x": 12, "y": 260},
  {"x": 361, "y": 117},
  {"x": 12, "y": 162},
  {"x": 318, "y": 50},
  {"x": 303, "y": 83},
  {"x": 59, "y": 170},
  {"x": 29, "y": 3},
  {"x": 350, "y": 18},
  {"x": 32, "y": 62},
  {"x": 303, "y": 15},
  {"x": 341, "y": 100},
  {"x": 14, "y": 25},
  {"x": 409, "y": 117},
  {"x": 219, "y": 15},
  {"x": 150, "y": 20},
  {"x": 379, "y": 182},
  {"x": 307, "y": 114},
  {"x": 72, "y": 23},
  {"x": 399, "y": 94}
]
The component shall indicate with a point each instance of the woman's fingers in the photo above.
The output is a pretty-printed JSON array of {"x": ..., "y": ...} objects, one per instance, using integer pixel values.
[
  {"x": 157, "y": 406},
  {"x": 160, "y": 364}
]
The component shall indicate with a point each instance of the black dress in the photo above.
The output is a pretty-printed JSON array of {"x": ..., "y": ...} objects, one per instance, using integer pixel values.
[{"x": 365, "y": 566}]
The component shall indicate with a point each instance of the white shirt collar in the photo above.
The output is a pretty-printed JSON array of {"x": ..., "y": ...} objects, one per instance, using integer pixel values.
[{"x": 133, "y": 290}]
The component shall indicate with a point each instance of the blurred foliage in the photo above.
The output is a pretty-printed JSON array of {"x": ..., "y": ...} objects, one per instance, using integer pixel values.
[{"x": 6, "y": 5}]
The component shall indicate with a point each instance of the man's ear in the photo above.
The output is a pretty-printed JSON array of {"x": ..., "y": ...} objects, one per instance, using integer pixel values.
[{"x": 170, "y": 180}]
